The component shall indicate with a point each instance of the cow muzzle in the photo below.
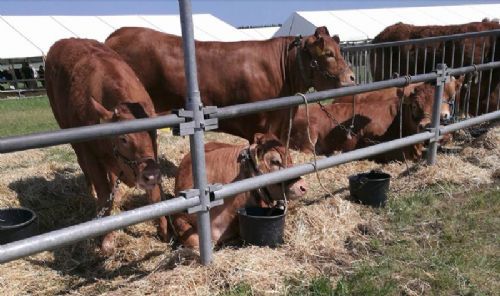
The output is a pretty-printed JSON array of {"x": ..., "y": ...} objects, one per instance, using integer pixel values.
[
  {"x": 296, "y": 188},
  {"x": 149, "y": 174},
  {"x": 424, "y": 125}
]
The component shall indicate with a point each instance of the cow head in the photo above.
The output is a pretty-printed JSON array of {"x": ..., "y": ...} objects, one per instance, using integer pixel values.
[
  {"x": 419, "y": 107},
  {"x": 323, "y": 60},
  {"x": 451, "y": 89},
  {"x": 268, "y": 155},
  {"x": 135, "y": 153}
]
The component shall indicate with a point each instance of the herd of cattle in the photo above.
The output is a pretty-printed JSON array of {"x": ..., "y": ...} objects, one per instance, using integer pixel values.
[{"x": 139, "y": 73}]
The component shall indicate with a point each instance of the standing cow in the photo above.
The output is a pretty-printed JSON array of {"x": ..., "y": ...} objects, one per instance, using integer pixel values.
[
  {"x": 376, "y": 119},
  {"x": 415, "y": 58},
  {"x": 88, "y": 83},
  {"x": 228, "y": 163},
  {"x": 234, "y": 72}
]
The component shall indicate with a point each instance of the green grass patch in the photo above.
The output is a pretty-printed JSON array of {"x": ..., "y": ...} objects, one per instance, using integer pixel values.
[
  {"x": 25, "y": 116},
  {"x": 242, "y": 289},
  {"x": 438, "y": 244}
]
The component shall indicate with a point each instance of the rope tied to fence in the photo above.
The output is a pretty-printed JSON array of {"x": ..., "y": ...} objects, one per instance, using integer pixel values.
[{"x": 306, "y": 104}]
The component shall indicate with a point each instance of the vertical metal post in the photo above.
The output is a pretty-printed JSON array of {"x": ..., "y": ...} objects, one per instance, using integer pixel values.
[
  {"x": 390, "y": 63},
  {"x": 438, "y": 94},
  {"x": 196, "y": 139},
  {"x": 416, "y": 62}
]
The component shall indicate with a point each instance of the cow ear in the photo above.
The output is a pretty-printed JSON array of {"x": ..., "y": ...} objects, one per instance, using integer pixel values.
[
  {"x": 104, "y": 114},
  {"x": 336, "y": 38}
]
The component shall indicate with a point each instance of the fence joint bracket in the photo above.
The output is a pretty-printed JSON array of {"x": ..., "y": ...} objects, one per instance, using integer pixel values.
[
  {"x": 211, "y": 188},
  {"x": 443, "y": 74},
  {"x": 189, "y": 126}
]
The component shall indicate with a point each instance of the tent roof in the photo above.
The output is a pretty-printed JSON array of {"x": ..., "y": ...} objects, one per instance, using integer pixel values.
[
  {"x": 32, "y": 36},
  {"x": 260, "y": 33},
  {"x": 360, "y": 24},
  {"x": 16, "y": 45}
]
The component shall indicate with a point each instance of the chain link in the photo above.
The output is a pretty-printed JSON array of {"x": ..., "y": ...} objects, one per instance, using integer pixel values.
[{"x": 110, "y": 198}]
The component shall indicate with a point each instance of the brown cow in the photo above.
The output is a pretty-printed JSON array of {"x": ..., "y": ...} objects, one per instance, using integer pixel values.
[
  {"x": 234, "y": 72},
  {"x": 376, "y": 120},
  {"x": 228, "y": 163},
  {"x": 471, "y": 49},
  {"x": 85, "y": 79}
]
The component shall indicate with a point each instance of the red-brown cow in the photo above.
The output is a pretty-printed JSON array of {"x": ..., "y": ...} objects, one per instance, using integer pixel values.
[
  {"x": 452, "y": 53},
  {"x": 376, "y": 120},
  {"x": 228, "y": 163},
  {"x": 234, "y": 72},
  {"x": 88, "y": 83}
]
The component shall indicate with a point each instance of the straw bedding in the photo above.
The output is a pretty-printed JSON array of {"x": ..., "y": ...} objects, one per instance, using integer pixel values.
[{"x": 323, "y": 232}]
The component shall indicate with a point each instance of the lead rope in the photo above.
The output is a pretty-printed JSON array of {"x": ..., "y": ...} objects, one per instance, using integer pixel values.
[
  {"x": 314, "y": 148},
  {"x": 349, "y": 134},
  {"x": 287, "y": 152}
]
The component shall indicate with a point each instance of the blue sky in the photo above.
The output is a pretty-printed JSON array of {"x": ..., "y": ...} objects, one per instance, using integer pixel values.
[{"x": 235, "y": 12}]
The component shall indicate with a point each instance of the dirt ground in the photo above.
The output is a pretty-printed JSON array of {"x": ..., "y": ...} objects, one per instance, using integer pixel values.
[{"x": 317, "y": 227}]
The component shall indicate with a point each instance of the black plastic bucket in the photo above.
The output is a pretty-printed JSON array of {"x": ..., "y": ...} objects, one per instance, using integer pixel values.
[
  {"x": 370, "y": 188},
  {"x": 262, "y": 226},
  {"x": 17, "y": 224}
]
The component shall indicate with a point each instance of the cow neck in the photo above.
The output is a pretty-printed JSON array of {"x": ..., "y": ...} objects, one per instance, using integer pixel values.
[
  {"x": 299, "y": 65},
  {"x": 249, "y": 166}
]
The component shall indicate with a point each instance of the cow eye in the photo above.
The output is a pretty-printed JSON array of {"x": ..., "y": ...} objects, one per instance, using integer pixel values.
[
  {"x": 275, "y": 162},
  {"x": 123, "y": 139},
  {"x": 329, "y": 54}
]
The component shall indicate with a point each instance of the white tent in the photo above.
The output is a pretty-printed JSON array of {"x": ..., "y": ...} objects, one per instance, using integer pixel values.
[
  {"x": 361, "y": 24},
  {"x": 261, "y": 33},
  {"x": 16, "y": 45},
  {"x": 32, "y": 36}
]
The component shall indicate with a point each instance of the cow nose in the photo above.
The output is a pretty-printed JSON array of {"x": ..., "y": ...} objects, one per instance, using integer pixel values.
[
  {"x": 445, "y": 116},
  {"x": 351, "y": 77},
  {"x": 151, "y": 173},
  {"x": 302, "y": 186},
  {"x": 423, "y": 126},
  {"x": 303, "y": 189}
]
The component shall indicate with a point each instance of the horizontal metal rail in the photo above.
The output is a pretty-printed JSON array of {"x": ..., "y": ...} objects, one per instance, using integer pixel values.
[
  {"x": 72, "y": 234},
  {"x": 352, "y": 48},
  {"x": 303, "y": 169},
  {"x": 85, "y": 133},
  {"x": 470, "y": 122},
  {"x": 71, "y": 135}
]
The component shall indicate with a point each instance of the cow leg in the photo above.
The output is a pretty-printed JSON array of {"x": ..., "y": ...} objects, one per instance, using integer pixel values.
[
  {"x": 81, "y": 155},
  {"x": 187, "y": 233},
  {"x": 154, "y": 196},
  {"x": 98, "y": 175}
]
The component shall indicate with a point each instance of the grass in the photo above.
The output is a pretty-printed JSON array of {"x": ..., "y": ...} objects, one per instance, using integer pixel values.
[
  {"x": 27, "y": 115},
  {"x": 438, "y": 244},
  {"x": 434, "y": 244}
]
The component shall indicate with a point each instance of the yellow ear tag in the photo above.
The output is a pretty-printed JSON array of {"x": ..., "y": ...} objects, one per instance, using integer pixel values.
[{"x": 256, "y": 160}]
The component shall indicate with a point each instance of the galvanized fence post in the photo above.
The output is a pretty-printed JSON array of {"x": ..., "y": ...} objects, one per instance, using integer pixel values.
[
  {"x": 195, "y": 105},
  {"x": 441, "y": 79}
]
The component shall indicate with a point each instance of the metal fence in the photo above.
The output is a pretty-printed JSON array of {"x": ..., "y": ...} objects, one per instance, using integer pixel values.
[
  {"x": 381, "y": 61},
  {"x": 203, "y": 198}
]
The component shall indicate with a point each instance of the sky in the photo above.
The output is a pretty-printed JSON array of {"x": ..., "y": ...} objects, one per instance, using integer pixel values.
[{"x": 235, "y": 12}]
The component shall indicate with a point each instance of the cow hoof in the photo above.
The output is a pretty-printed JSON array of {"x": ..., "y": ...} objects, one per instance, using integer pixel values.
[{"x": 108, "y": 244}]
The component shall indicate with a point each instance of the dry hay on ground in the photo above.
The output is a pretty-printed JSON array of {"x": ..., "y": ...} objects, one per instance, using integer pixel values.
[{"x": 323, "y": 234}]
